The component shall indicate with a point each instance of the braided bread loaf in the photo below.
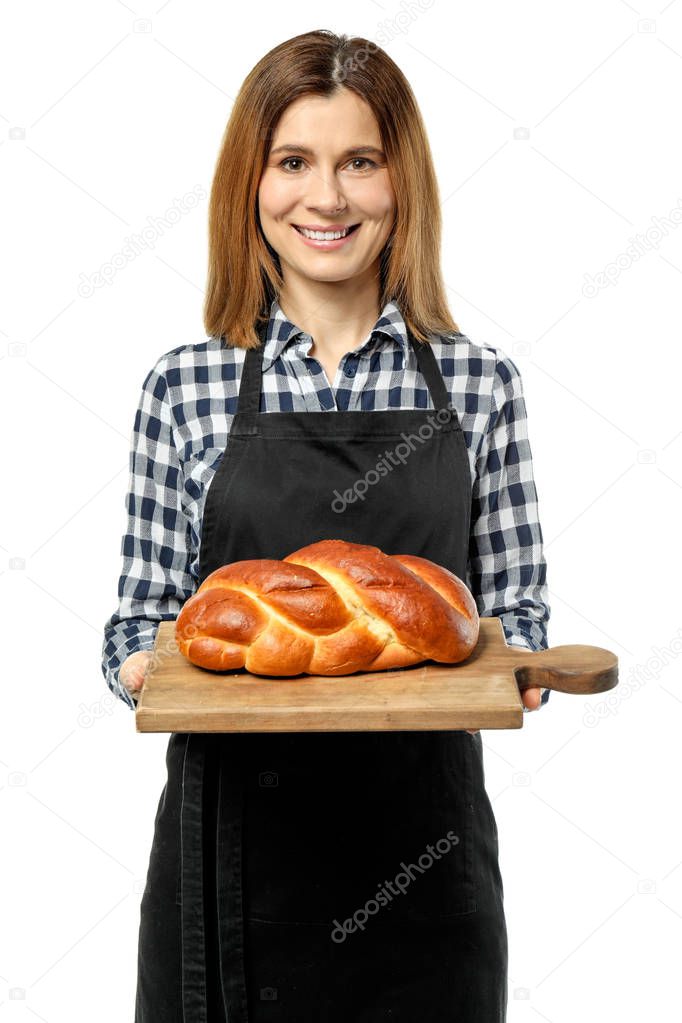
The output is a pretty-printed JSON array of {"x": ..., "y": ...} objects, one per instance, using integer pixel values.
[{"x": 331, "y": 608}]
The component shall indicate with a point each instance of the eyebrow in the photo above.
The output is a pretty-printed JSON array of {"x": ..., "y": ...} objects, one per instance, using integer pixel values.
[{"x": 292, "y": 147}]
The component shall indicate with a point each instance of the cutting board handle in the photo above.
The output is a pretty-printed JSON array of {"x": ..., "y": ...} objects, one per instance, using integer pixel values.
[{"x": 572, "y": 668}]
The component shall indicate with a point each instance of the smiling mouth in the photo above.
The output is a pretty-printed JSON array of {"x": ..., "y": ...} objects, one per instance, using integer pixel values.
[{"x": 329, "y": 235}]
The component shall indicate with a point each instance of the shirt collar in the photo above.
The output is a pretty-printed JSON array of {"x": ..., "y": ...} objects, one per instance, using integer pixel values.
[{"x": 281, "y": 332}]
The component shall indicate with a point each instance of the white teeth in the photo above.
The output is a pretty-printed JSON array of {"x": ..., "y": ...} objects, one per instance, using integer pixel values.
[{"x": 326, "y": 236}]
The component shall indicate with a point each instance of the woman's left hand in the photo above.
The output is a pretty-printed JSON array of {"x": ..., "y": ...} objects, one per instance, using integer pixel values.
[{"x": 531, "y": 699}]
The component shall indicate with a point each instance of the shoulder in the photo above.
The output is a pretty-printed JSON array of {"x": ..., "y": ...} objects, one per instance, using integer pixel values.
[
  {"x": 478, "y": 360},
  {"x": 486, "y": 374},
  {"x": 189, "y": 363}
]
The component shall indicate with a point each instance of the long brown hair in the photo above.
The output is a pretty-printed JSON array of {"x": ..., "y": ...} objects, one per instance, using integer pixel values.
[{"x": 244, "y": 274}]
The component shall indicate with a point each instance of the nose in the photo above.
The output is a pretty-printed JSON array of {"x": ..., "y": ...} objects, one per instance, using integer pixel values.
[{"x": 324, "y": 194}]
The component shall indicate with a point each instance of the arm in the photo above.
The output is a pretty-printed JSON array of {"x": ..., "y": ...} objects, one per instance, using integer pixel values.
[
  {"x": 155, "y": 580},
  {"x": 506, "y": 562}
]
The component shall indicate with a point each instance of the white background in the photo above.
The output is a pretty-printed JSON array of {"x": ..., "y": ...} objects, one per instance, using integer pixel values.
[{"x": 555, "y": 131}]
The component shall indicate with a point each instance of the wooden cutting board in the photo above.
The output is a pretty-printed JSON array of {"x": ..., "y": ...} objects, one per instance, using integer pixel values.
[{"x": 481, "y": 692}]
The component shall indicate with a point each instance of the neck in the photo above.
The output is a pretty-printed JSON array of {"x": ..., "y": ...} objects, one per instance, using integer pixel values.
[{"x": 337, "y": 315}]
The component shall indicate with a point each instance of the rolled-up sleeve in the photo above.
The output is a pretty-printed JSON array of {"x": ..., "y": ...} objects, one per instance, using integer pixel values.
[
  {"x": 155, "y": 580},
  {"x": 507, "y": 567}
]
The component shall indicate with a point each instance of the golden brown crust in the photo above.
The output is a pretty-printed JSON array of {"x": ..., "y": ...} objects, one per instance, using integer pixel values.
[{"x": 330, "y": 608}]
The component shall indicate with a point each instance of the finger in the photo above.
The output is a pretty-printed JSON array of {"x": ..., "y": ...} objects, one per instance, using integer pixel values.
[
  {"x": 133, "y": 679},
  {"x": 134, "y": 670},
  {"x": 532, "y": 697}
]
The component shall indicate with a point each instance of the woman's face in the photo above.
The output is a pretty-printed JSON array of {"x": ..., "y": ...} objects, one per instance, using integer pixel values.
[{"x": 312, "y": 178}]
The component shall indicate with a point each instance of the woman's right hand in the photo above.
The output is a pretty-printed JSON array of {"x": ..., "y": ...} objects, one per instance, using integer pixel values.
[{"x": 133, "y": 670}]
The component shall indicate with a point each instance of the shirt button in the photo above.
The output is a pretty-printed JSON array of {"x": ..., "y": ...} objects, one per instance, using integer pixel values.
[{"x": 350, "y": 370}]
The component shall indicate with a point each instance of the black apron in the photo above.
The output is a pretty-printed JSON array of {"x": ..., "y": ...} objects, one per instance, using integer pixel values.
[{"x": 328, "y": 876}]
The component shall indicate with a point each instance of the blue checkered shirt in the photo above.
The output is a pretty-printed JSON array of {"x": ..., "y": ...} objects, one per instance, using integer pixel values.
[{"x": 181, "y": 430}]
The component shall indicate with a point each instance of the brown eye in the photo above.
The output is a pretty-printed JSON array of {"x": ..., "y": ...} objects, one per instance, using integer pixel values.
[{"x": 298, "y": 159}]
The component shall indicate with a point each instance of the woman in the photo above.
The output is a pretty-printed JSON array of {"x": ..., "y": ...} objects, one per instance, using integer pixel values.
[{"x": 325, "y": 876}]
